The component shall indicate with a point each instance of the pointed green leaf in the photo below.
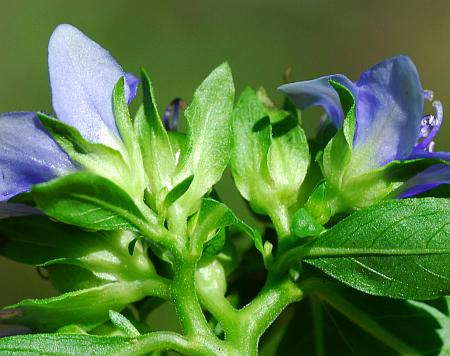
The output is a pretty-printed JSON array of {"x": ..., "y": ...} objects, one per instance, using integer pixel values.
[
  {"x": 399, "y": 249},
  {"x": 124, "y": 123},
  {"x": 92, "y": 202},
  {"x": 158, "y": 155},
  {"x": 208, "y": 136},
  {"x": 177, "y": 191}
]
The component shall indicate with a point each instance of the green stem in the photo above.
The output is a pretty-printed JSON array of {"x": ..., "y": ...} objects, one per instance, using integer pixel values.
[
  {"x": 221, "y": 309},
  {"x": 256, "y": 317},
  {"x": 281, "y": 220},
  {"x": 185, "y": 300},
  {"x": 157, "y": 286},
  {"x": 327, "y": 292}
]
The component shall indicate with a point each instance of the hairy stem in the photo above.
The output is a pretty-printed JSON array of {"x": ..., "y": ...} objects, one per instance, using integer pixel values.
[
  {"x": 258, "y": 315},
  {"x": 186, "y": 301}
]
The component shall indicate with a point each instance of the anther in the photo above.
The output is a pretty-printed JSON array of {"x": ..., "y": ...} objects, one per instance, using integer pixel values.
[
  {"x": 428, "y": 95},
  {"x": 430, "y": 126}
]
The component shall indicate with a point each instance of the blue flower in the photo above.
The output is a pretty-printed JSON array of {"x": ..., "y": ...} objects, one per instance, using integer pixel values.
[
  {"x": 82, "y": 79},
  {"x": 390, "y": 125}
]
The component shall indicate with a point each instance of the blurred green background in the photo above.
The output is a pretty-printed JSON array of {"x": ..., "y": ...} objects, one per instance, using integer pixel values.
[{"x": 180, "y": 42}]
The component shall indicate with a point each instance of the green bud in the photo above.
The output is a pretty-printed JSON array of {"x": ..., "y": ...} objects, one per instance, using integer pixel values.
[
  {"x": 210, "y": 277},
  {"x": 270, "y": 153}
]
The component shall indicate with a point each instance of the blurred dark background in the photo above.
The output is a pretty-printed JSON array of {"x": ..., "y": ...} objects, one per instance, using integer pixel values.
[{"x": 180, "y": 42}]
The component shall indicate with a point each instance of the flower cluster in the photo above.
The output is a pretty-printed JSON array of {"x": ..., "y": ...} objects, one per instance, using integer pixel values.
[
  {"x": 122, "y": 211},
  {"x": 389, "y": 125}
]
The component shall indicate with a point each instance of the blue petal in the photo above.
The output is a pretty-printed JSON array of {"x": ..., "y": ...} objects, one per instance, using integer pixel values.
[
  {"x": 319, "y": 92},
  {"x": 82, "y": 78},
  {"x": 388, "y": 112},
  {"x": 425, "y": 154},
  {"x": 428, "y": 179},
  {"x": 133, "y": 83},
  {"x": 28, "y": 155}
]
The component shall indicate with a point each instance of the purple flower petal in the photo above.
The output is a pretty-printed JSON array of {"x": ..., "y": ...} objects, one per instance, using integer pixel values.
[
  {"x": 82, "y": 79},
  {"x": 388, "y": 112},
  {"x": 133, "y": 84},
  {"x": 418, "y": 153},
  {"x": 29, "y": 154},
  {"x": 319, "y": 92},
  {"x": 428, "y": 179}
]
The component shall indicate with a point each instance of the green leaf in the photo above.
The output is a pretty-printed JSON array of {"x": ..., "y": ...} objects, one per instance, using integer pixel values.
[
  {"x": 158, "y": 154},
  {"x": 123, "y": 324},
  {"x": 348, "y": 104},
  {"x": 92, "y": 202},
  {"x": 63, "y": 344},
  {"x": 214, "y": 216},
  {"x": 124, "y": 123},
  {"x": 303, "y": 224},
  {"x": 87, "y": 308},
  {"x": 338, "y": 152},
  {"x": 398, "y": 249},
  {"x": 208, "y": 137}
]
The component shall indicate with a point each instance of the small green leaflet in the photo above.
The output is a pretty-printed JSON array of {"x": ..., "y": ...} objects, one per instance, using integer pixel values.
[
  {"x": 157, "y": 152},
  {"x": 136, "y": 179},
  {"x": 338, "y": 152},
  {"x": 177, "y": 191},
  {"x": 398, "y": 249}
]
